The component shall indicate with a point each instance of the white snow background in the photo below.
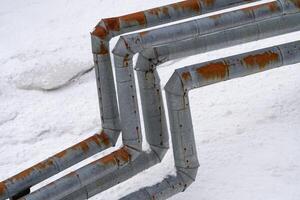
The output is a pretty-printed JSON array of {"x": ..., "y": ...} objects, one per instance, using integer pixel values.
[{"x": 247, "y": 130}]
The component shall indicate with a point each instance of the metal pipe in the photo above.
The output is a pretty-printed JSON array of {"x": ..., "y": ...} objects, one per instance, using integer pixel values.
[
  {"x": 84, "y": 176},
  {"x": 103, "y": 32},
  {"x": 185, "y": 79},
  {"x": 197, "y": 46},
  {"x": 55, "y": 164},
  {"x": 134, "y": 43}
]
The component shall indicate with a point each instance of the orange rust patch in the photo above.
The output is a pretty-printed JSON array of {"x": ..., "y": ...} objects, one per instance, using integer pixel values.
[
  {"x": 209, "y": 2},
  {"x": 38, "y": 167},
  {"x": 273, "y": 6},
  {"x": 213, "y": 71},
  {"x": 262, "y": 60},
  {"x": 126, "y": 60},
  {"x": 100, "y": 32},
  {"x": 109, "y": 159},
  {"x": 123, "y": 155},
  {"x": 112, "y": 24},
  {"x": 83, "y": 146},
  {"x": 44, "y": 165},
  {"x": 158, "y": 11},
  {"x": 2, "y": 188},
  {"x": 103, "y": 49},
  {"x": 61, "y": 154},
  {"x": 138, "y": 17},
  {"x": 192, "y": 5},
  {"x": 102, "y": 139},
  {"x": 115, "y": 157},
  {"x": 186, "y": 76},
  {"x": 23, "y": 174}
]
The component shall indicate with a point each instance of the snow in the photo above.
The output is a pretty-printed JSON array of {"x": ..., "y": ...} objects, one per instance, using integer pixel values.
[{"x": 247, "y": 129}]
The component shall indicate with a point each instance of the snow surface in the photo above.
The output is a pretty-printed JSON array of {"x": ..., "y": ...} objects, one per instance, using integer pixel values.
[{"x": 247, "y": 130}]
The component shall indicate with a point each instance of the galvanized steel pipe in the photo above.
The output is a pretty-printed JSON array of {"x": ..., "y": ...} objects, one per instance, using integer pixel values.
[{"x": 195, "y": 76}]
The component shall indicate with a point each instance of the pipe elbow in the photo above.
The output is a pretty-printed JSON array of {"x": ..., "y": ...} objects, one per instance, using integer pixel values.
[
  {"x": 128, "y": 45},
  {"x": 113, "y": 135},
  {"x": 122, "y": 48},
  {"x": 160, "y": 152},
  {"x": 188, "y": 176},
  {"x": 175, "y": 85}
]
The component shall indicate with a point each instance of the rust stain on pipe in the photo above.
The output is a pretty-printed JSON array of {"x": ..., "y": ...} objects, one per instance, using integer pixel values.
[
  {"x": 272, "y": 6},
  {"x": 100, "y": 32},
  {"x": 103, "y": 49},
  {"x": 2, "y": 188},
  {"x": 38, "y": 167},
  {"x": 186, "y": 76},
  {"x": 112, "y": 24},
  {"x": 191, "y": 5},
  {"x": 208, "y": 2},
  {"x": 126, "y": 61},
  {"x": 115, "y": 157},
  {"x": 214, "y": 71},
  {"x": 138, "y": 17},
  {"x": 61, "y": 154},
  {"x": 98, "y": 139},
  {"x": 262, "y": 60},
  {"x": 158, "y": 11},
  {"x": 101, "y": 139}
]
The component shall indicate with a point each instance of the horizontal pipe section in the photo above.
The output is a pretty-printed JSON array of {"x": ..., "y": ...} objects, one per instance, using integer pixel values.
[
  {"x": 84, "y": 176},
  {"x": 134, "y": 43},
  {"x": 144, "y": 161},
  {"x": 203, "y": 74},
  {"x": 199, "y": 75},
  {"x": 54, "y": 165}
]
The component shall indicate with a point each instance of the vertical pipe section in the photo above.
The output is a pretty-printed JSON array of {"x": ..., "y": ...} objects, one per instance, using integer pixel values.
[{"x": 199, "y": 75}]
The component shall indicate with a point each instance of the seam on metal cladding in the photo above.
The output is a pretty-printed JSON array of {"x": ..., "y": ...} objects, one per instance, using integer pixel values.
[
  {"x": 281, "y": 54},
  {"x": 179, "y": 169}
]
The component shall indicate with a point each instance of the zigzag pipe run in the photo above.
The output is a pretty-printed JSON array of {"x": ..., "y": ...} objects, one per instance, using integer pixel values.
[
  {"x": 20, "y": 184},
  {"x": 192, "y": 77},
  {"x": 148, "y": 61}
]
